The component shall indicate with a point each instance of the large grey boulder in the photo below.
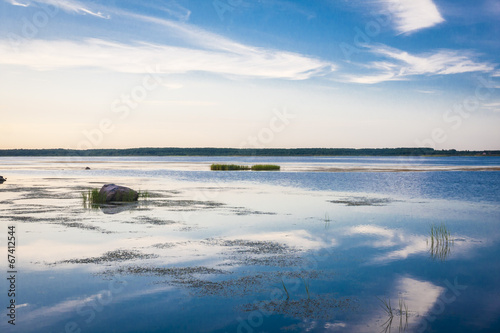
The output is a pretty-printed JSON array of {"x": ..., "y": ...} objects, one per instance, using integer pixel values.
[{"x": 112, "y": 192}]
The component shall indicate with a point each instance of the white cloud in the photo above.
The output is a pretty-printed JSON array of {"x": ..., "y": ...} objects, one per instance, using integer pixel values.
[
  {"x": 139, "y": 58},
  {"x": 201, "y": 51},
  {"x": 15, "y": 3},
  {"x": 174, "y": 10},
  {"x": 440, "y": 62},
  {"x": 412, "y": 15},
  {"x": 492, "y": 106},
  {"x": 401, "y": 64},
  {"x": 70, "y": 6},
  {"x": 372, "y": 79}
]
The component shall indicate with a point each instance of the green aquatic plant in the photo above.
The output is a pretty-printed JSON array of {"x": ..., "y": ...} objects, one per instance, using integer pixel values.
[
  {"x": 386, "y": 306},
  {"x": 265, "y": 167},
  {"x": 128, "y": 197},
  {"x": 235, "y": 167},
  {"x": 327, "y": 220},
  {"x": 286, "y": 291},
  {"x": 228, "y": 167},
  {"x": 402, "y": 312},
  {"x": 93, "y": 197},
  {"x": 440, "y": 241},
  {"x": 306, "y": 285}
]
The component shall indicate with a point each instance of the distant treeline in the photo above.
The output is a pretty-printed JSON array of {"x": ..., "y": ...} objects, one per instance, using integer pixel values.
[{"x": 247, "y": 152}]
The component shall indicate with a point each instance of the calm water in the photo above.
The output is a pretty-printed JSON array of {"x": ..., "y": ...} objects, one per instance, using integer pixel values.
[{"x": 322, "y": 246}]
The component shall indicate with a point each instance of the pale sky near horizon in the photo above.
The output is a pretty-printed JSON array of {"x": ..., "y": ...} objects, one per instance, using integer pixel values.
[{"x": 250, "y": 73}]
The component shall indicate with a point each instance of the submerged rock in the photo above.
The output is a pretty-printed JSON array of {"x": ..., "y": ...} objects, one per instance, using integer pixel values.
[{"x": 112, "y": 192}]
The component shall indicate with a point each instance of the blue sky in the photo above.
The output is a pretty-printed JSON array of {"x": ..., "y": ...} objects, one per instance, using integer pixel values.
[{"x": 260, "y": 73}]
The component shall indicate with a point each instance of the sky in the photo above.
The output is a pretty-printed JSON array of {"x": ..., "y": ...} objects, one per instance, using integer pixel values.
[{"x": 250, "y": 74}]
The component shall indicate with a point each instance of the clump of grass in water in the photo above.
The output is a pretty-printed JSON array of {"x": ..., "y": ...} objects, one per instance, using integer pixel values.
[
  {"x": 327, "y": 220},
  {"x": 92, "y": 198},
  {"x": 402, "y": 305},
  {"x": 235, "y": 167},
  {"x": 265, "y": 167},
  {"x": 306, "y": 285},
  {"x": 228, "y": 167},
  {"x": 402, "y": 311},
  {"x": 286, "y": 291},
  {"x": 386, "y": 306},
  {"x": 440, "y": 241}
]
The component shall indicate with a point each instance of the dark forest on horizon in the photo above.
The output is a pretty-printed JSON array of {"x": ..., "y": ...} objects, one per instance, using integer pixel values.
[{"x": 248, "y": 152}]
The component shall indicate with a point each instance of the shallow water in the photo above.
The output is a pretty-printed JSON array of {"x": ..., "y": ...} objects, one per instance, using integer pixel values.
[{"x": 320, "y": 246}]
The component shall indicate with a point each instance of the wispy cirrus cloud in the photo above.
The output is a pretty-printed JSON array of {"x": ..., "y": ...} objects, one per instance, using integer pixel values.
[
  {"x": 412, "y": 15},
  {"x": 139, "y": 57},
  {"x": 69, "y": 6},
  {"x": 400, "y": 65},
  {"x": 495, "y": 106},
  {"x": 201, "y": 50},
  {"x": 15, "y": 3},
  {"x": 172, "y": 9}
]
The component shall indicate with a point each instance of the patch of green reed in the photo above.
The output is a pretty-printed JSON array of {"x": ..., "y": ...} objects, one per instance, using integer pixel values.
[
  {"x": 306, "y": 285},
  {"x": 91, "y": 198},
  {"x": 386, "y": 306},
  {"x": 440, "y": 241},
  {"x": 403, "y": 308},
  {"x": 402, "y": 311},
  {"x": 128, "y": 197},
  {"x": 327, "y": 218},
  {"x": 440, "y": 233},
  {"x": 235, "y": 167},
  {"x": 265, "y": 167},
  {"x": 286, "y": 291},
  {"x": 228, "y": 167}
]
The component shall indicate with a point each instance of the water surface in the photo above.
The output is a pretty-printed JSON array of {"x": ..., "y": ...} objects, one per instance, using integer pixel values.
[{"x": 320, "y": 246}]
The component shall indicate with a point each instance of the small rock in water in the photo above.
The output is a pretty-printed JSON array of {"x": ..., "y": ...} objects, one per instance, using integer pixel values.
[
  {"x": 2, "y": 179},
  {"x": 112, "y": 192},
  {"x": 87, "y": 168}
]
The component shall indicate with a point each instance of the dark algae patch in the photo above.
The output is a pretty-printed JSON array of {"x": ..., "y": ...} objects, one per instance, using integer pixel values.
[
  {"x": 362, "y": 201},
  {"x": 152, "y": 221},
  {"x": 111, "y": 256},
  {"x": 249, "y": 246},
  {"x": 175, "y": 272}
]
